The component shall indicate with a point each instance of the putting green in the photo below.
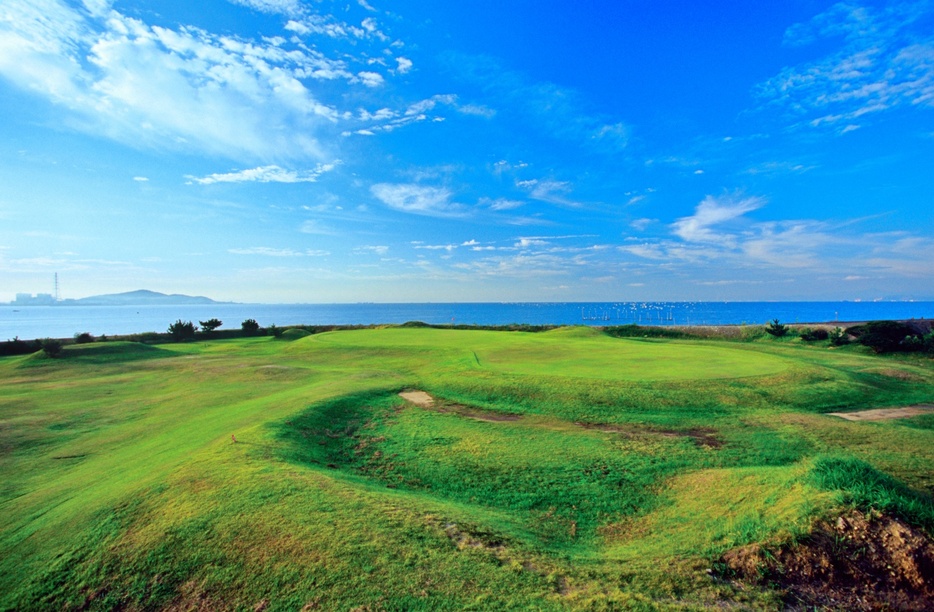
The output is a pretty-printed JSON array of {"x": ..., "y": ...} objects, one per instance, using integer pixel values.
[{"x": 578, "y": 352}]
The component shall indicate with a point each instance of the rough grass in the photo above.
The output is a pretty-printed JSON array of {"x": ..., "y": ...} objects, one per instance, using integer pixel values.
[{"x": 632, "y": 465}]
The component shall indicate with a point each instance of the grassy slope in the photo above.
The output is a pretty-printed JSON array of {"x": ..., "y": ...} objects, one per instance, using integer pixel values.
[{"x": 119, "y": 484}]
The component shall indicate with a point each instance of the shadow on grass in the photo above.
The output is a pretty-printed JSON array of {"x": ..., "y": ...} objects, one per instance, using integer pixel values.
[{"x": 108, "y": 352}]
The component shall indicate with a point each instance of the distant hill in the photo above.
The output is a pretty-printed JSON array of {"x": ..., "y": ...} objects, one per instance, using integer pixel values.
[{"x": 141, "y": 297}]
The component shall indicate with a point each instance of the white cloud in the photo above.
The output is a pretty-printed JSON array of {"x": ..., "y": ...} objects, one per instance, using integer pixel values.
[
  {"x": 265, "y": 174},
  {"x": 641, "y": 224},
  {"x": 501, "y": 203},
  {"x": 713, "y": 211},
  {"x": 366, "y": 5},
  {"x": 370, "y": 79},
  {"x": 151, "y": 86},
  {"x": 477, "y": 109},
  {"x": 417, "y": 199},
  {"x": 884, "y": 59},
  {"x": 548, "y": 191},
  {"x": 140, "y": 179},
  {"x": 404, "y": 65},
  {"x": 375, "y": 249},
  {"x": 291, "y": 8},
  {"x": 267, "y": 251}
]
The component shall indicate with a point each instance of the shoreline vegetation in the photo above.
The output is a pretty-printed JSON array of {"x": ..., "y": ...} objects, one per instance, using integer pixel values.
[
  {"x": 425, "y": 467},
  {"x": 846, "y": 332}
]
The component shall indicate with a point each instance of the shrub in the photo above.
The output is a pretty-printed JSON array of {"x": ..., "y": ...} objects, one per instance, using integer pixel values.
[
  {"x": 51, "y": 347},
  {"x": 911, "y": 344},
  {"x": 813, "y": 335},
  {"x": 182, "y": 330},
  {"x": 250, "y": 327},
  {"x": 276, "y": 332},
  {"x": 83, "y": 338},
  {"x": 18, "y": 347},
  {"x": 776, "y": 329},
  {"x": 838, "y": 337},
  {"x": 210, "y": 325},
  {"x": 882, "y": 336}
]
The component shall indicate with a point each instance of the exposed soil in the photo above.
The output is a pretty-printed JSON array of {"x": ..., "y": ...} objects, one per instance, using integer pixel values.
[
  {"x": 424, "y": 400},
  {"x": 704, "y": 437},
  {"x": 881, "y": 414},
  {"x": 858, "y": 562}
]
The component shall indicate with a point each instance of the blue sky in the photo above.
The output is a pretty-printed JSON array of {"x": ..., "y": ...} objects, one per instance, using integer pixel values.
[{"x": 315, "y": 151}]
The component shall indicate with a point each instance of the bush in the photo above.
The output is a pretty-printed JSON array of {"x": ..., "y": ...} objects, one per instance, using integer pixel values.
[
  {"x": 51, "y": 347},
  {"x": 250, "y": 327},
  {"x": 275, "y": 332},
  {"x": 882, "y": 336},
  {"x": 210, "y": 325},
  {"x": 83, "y": 338},
  {"x": 838, "y": 337},
  {"x": 776, "y": 329},
  {"x": 18, "y": 347},
  {"x": 182, "y": 330},
  {"x": 814, "y": 335}
]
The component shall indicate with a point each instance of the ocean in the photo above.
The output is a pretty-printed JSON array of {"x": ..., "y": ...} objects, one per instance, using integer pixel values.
[{"x": 64, "y": 321}]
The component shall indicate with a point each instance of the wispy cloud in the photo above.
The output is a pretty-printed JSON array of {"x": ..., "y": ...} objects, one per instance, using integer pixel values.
[
  {"x": 272, "y": 252},
  {"x": 560, "y": 112},
  {"x": 417, "y": 199},
  {"x": 548, "y": 190},
  {"x": 265, "y": 174},
  {"x": 884, "y": 59},
  {"x": 711, "y": 212}
]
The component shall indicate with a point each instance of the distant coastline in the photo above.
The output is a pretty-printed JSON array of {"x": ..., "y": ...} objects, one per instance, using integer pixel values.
[
  {"x": 127, "y": 318},
  {"x": 140, "y": 297}
]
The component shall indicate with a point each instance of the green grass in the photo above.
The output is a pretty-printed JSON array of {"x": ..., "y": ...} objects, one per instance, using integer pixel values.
[{"x": 564, "y": 469}]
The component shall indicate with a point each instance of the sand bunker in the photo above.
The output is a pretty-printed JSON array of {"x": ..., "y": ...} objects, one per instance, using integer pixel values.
[
  {"x": 881, "y": 414},
  {"x": 419, "y": 398}
]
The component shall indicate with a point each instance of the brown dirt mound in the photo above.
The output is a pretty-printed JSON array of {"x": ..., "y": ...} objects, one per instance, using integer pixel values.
[{"x": 858, "y": 562}]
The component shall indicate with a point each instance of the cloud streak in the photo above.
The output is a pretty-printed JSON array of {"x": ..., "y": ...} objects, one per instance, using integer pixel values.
[
  {"x": 885, "y": 61},
  {"x": 265, "y": 174}
]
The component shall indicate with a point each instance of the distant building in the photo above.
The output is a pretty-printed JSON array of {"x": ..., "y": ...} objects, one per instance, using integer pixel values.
[{"x": 40, "y": 299}]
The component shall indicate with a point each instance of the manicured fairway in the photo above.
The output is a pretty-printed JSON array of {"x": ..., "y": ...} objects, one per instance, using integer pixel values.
[{"x": 556, "y": 470}]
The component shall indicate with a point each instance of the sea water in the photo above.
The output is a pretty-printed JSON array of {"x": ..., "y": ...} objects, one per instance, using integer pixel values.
[{"x": 64, "y": 321}]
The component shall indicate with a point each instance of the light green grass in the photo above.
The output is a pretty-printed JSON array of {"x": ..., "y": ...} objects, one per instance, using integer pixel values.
[{"x": 628, "y": 466}]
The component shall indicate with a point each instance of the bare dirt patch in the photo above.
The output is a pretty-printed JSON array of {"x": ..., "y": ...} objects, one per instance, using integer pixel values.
[
  {"x": 857, "y": 562},
  {"x": 704, "y": 437},
  {"x": 424, "y": 400},
  {"x": 881, "y": 414}
]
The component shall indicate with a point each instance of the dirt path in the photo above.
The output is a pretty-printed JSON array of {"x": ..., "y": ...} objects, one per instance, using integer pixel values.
[{"x": 881, "y": 414}]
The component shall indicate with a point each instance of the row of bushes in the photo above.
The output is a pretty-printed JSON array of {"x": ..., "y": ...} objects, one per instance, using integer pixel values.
[{"x": 880, "y": 336}]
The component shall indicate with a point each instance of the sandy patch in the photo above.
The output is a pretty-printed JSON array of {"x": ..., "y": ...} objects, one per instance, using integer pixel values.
[
  {"x": 423, "y": 400},
  {"x": 881, "y": 414},
  {"x": 419, "y": 398}
]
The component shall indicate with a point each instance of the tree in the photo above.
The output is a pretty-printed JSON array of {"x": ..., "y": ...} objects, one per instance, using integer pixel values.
[
  {"x": 250, "y": 327},
  {"x": 210, "y": 325},
  {"x": 182, "y": 330},
  {"x": 83, "y": 338},
  {"x": 776, "y": 329},
  {"x": 51, "y": 347}
]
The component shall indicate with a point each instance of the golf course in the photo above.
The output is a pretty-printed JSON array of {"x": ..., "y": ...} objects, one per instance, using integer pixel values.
[{"x": 422, "y": 468}]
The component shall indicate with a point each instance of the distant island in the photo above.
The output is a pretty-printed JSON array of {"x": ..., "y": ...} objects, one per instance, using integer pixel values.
[{"x": 141, "y": 297}]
